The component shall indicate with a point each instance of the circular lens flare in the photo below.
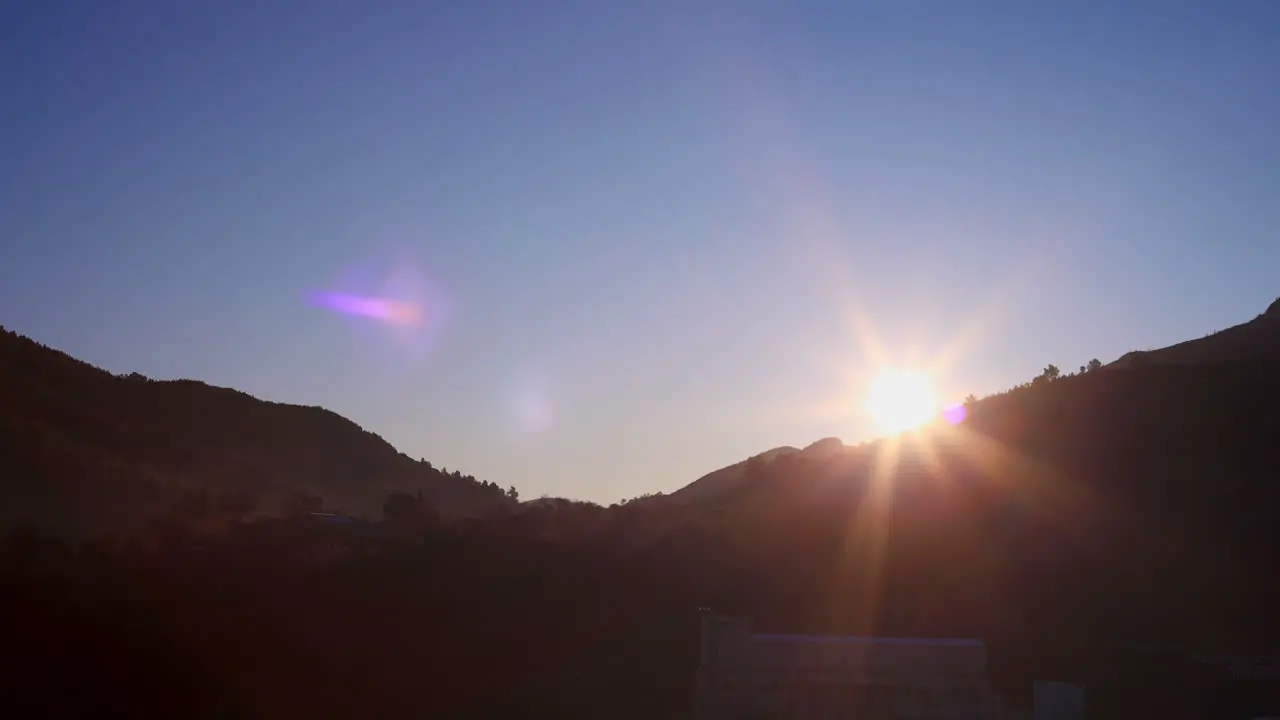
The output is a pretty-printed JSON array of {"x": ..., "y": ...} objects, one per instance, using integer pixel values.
[{"x": 955, "y": 414}]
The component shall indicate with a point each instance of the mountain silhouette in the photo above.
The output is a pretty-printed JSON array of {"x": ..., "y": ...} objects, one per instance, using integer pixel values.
[
  {"x": 725, "y": 479},
  {"x": 1087, "y": 494},
  {"x": 85, "y": 451},
  {"x": 1258, "y": 339},
  {"x": 1250, "y": 347},
  {"x": 1064, "y": 517}
]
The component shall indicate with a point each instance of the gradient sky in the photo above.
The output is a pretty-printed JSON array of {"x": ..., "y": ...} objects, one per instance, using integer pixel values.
[{"x": 652, "y": 238}]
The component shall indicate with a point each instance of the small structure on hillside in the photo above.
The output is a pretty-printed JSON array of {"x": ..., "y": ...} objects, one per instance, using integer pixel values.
[{"x": 742, "y": 674}]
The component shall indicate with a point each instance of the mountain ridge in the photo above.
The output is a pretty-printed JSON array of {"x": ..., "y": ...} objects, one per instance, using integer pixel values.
[
  {"x": 74, "y": 431},
  {"x": 157, "y": 440},
  {"x": 1258, "y": 338},
  {"x": 1074, "y": 511}
]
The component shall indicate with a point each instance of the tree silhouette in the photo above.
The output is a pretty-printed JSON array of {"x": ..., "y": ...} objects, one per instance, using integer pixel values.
[
  {"x": 1050, "y": 374},
  {"x": 404, "y": 510}
]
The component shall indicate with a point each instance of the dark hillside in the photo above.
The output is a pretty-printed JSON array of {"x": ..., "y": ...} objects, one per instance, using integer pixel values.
[
  {"x": 1258, "y": 339},
  {"x": 1058, "y": 507},
  {"x": 725, "y": 479},
  {"x": 83, "y": 450}
]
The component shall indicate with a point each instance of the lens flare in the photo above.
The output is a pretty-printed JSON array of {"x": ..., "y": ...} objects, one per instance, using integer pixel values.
[
  {"x": 955, "y": 414},
  {"x": 392, "y": 312},
  {"x": 389, "y": 298}
]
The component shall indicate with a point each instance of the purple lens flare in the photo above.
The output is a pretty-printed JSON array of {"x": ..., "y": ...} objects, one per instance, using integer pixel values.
[
  {"x": 392, "y": 312},
  {"x": 955, "y": 414}
]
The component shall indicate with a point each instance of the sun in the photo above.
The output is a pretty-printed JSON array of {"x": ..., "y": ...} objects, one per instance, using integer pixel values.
[{"x": 899, "y": 400}]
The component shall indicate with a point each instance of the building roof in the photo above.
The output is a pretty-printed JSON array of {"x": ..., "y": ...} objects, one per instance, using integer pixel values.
[{"x": 858, "y": 639}]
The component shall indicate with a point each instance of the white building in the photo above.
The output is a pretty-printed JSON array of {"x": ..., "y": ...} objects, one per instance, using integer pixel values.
[{"x": 744, "y": 675}]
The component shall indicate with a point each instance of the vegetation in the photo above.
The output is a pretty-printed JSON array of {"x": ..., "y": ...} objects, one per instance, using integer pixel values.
[{"x": 1121, "y": 504}]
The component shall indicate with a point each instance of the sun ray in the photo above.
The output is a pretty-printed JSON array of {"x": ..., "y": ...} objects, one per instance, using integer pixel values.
[
  {"x": 857, "y": 580},
  {"x": 999, "y": 302}
]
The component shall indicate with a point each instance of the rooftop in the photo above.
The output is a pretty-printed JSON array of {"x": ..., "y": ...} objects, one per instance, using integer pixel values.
[{"x": 858, "y": 639}]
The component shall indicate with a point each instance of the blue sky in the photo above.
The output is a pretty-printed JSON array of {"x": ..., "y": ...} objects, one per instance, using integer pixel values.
[{"x": 652, "y": 238}]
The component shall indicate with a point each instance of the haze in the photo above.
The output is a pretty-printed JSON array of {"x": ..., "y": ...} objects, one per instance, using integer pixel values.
[{"x": 637, "y": 241}]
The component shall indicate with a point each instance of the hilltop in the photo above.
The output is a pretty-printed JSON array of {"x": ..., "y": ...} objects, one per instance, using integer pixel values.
[
  {"x": 1250, "y": 347},
  {"x": 84, "y": 451},
  {"x": 1258, "y": 339},
  {"x": 726, "y": 479}
]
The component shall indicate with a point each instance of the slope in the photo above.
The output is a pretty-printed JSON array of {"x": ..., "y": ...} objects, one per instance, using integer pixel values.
[
  {"x": 1106, "y": 504},
  {"x": 725, "y": 479},
  {"x": 84, "y": 450},
  {"x": 1258, "y": 339}
]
